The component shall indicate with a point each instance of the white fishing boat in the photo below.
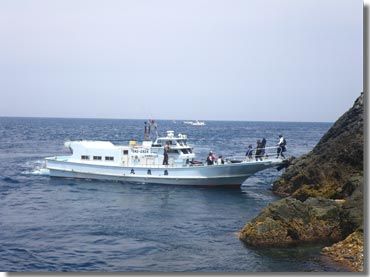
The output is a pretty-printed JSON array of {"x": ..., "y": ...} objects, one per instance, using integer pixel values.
[
  {"x": 143, "y": 163},
  {"x": 195, "y": 123},
  {"x": 198, "y": 123}
]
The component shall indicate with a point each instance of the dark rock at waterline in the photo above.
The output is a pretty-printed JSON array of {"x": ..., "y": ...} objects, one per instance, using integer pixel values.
[
  {"x": 289, "y": 221},
  {"x": 286, "y": 163}
]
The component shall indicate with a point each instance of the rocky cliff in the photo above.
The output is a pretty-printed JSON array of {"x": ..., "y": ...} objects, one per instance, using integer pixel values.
[
  {"x": 324, "y": 191},
  {"x": 334, "y": 168}
]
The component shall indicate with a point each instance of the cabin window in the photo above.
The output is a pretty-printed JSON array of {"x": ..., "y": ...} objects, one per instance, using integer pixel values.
[
  {"x": 149, "y": 172},
  {"x": 85, "y": 157},
  {"x": 109, "y": 158},
  {"x": 166, "y": 172},
  {"x": 97, "y": 158},
  {"x": 173, "y": 151},
  {"x": 185, "y": 151},
  {"x": 125, "y": 152}
]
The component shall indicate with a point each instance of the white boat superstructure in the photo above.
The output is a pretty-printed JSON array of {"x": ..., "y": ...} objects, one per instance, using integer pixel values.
[{"x": 143, "y": 163}]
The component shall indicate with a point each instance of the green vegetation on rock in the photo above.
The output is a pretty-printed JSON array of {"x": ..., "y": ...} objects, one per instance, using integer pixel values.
[{"x": 290, "y": 221}]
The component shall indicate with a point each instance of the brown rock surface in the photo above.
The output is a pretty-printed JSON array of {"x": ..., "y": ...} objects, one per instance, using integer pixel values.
[
  {"x": 289, "y": 221},
  {"x": 349, "y": 252}
]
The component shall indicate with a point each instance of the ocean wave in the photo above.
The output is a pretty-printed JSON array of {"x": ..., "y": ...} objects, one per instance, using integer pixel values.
[{"x": 9, "y": 180}]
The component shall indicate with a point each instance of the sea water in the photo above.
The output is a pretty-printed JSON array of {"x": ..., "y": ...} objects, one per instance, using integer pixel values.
[{"x": 52, "y": 224}]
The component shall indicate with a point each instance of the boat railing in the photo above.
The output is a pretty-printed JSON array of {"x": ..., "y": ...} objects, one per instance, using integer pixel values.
[{"x": 258, "y": 154}]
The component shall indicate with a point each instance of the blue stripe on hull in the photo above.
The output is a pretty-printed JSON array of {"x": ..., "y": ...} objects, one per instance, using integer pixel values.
[{"x": 215, "y": 181}]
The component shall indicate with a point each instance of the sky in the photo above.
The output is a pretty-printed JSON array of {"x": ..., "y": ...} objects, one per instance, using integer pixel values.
[{"x": 253, "y": 60}]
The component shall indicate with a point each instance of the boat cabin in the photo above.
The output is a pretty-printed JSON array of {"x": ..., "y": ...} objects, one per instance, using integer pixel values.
[{"x": 146, "y": 154}]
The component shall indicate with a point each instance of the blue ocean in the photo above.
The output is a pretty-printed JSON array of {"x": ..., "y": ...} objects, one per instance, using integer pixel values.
[{"x": 57, "y": 224}]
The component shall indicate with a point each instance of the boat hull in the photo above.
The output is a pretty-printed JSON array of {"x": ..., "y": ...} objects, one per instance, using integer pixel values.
[{"x": 215, "y": 175}]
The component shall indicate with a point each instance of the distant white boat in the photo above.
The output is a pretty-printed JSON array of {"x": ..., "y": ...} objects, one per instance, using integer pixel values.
[
  {"x": 198, "y": 123},
  {"x": 195, "y": 123},
  {"x": 144, "y": 163}
]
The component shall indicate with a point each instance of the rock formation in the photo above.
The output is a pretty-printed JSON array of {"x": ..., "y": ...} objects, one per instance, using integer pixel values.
[
  {"x": 290, "y": 221},
  {"x": 334, "y": 168},
  {"x": 324, "y": 191},
  {"x": 349, "y": 252}
]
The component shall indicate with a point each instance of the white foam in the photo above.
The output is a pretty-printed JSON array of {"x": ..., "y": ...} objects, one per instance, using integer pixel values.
[
  {"x": 37, "y": 168},
  {"x": 40, "y": 171}
]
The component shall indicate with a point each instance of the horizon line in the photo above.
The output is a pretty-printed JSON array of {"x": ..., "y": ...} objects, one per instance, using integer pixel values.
[{"x": 163, "y": 119}]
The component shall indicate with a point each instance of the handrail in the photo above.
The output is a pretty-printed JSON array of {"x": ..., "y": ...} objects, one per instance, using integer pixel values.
[
  {"x": 267, "y": 153},
  {"x": 150, "y": 160}
]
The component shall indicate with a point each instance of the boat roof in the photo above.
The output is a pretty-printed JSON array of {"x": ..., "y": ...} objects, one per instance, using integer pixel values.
[
  {"x": 171, "y": 136},
  {"x": 97, "y": 144}
]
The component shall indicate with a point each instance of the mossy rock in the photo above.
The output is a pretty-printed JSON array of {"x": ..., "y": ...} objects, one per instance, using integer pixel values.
[
  {"x": 349, "y": 252},
  {"x": 290, "y": 221}
]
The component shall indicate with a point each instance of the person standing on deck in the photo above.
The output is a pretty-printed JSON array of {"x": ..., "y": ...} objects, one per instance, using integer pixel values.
[
  {"x": 220, "y": 160},
  {"x": 211, "y": 158},
  {"x": 165, "y": 154},
  {"x": 153, "y": 128},
  {"x": 263, "y": 146},
  {"x": 281, "y": 146},
  {"x": 258, "y": 151},
  {"x": 249, "y": 152},
  {"x": 145, "y": 131}
]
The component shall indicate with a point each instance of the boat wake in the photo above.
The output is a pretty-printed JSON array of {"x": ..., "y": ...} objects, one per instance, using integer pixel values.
[
  {"x": 40, "y": 171},
  {"x": 36, "y": 168}
]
